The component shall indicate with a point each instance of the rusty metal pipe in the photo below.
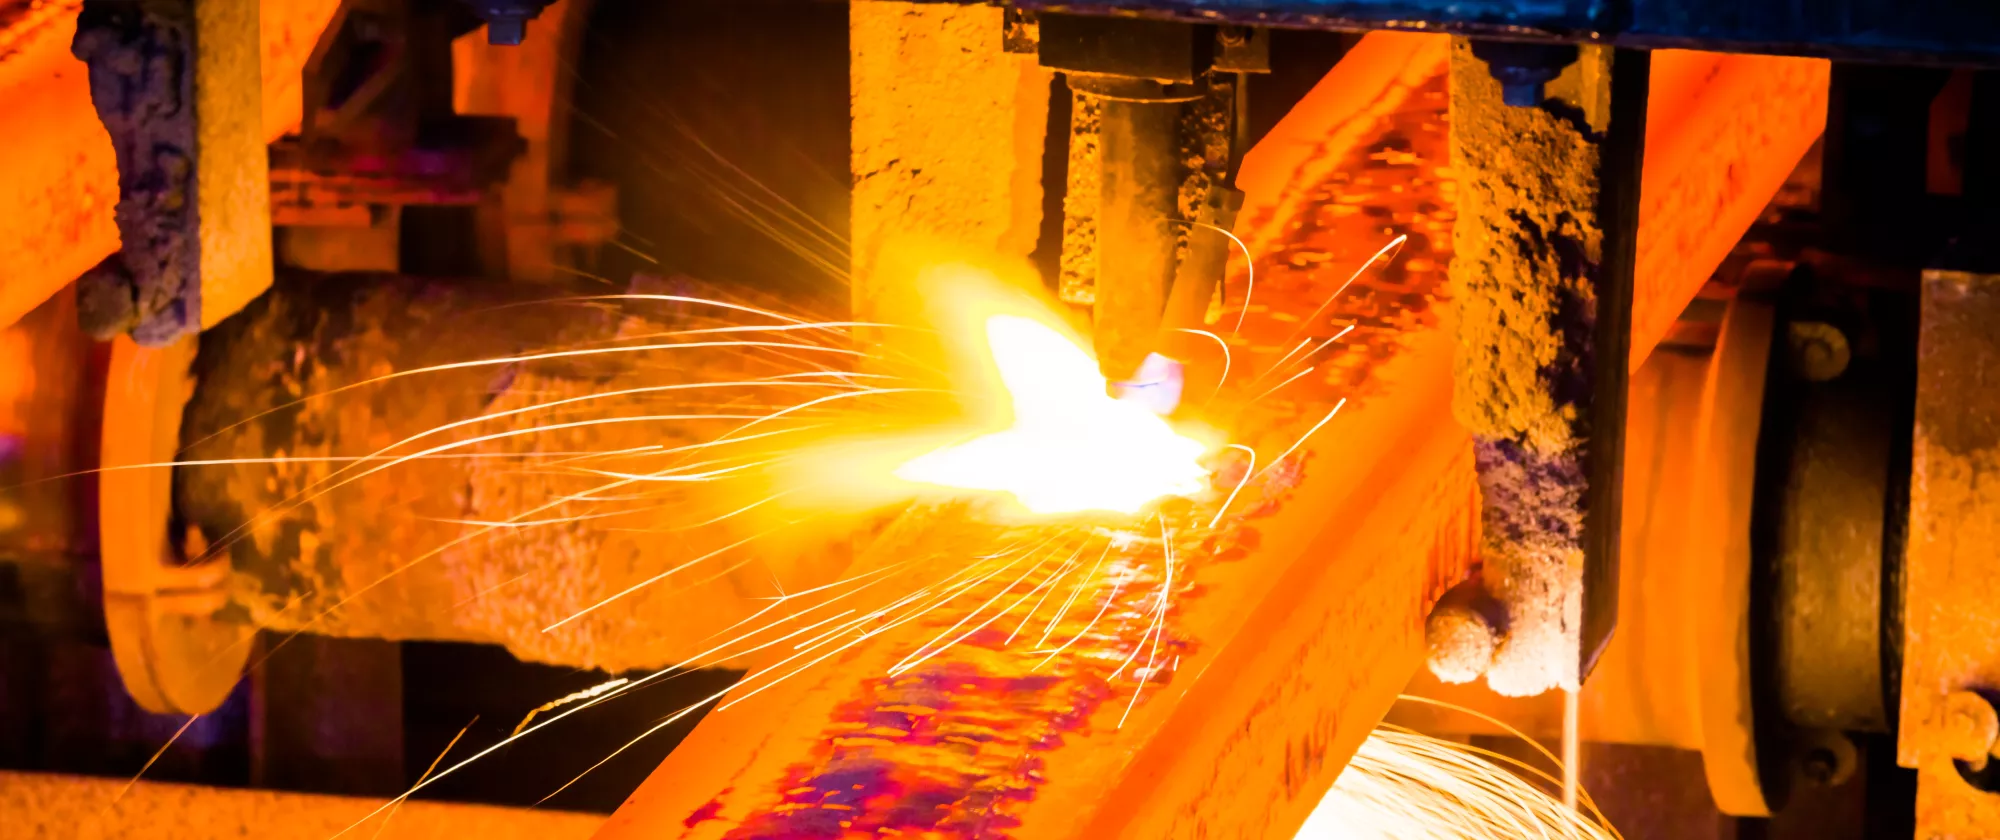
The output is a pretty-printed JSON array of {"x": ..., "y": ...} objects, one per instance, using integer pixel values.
[
  {"x": 1136, "y": 241},
  {"x": 315, "y": 530}
]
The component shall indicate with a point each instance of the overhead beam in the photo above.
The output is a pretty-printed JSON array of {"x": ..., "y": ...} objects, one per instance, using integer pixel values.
[{"x": 1933, "y": 32}]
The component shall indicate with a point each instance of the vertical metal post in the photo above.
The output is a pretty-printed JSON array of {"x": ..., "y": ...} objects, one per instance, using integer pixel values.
[
  {"x": 1954, "y": 540},
  {"x": 1550, "y": 140},
  {"x": 178, "y": 85}
]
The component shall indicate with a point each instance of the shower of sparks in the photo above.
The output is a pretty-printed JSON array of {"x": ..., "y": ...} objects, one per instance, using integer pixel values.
[
  {"x": 1280, "y": 363},
  {"x": 1074, "y": 596},
  {"x": 1222, "y": 379},
  {"x": 1072, "y": 447},
  {"x": 1047, "y": 377},
  {"x": 1288, "y": 380},
  {"x": 1308, "y": 435},
  {"x": 1132, "y": 579},
  {"x": 1159, "y": 622},
  {"x": 1248, "y": 470},
  {"x": 932, "y": 648},
  {"x": 586, "y": 694},
  {"x": 743, "y": 426},
  {"x": 129, "y": 783},
  {"x": 1388, "y": 252},
  {"x": 1402, "y": 785}
]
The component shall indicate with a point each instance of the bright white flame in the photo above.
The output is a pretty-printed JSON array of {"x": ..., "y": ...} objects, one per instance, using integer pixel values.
[{"x": 1072, "y": 447}]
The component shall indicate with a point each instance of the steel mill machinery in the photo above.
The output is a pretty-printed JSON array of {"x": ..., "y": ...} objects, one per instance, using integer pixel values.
[{"x": 1635, "y": 355}]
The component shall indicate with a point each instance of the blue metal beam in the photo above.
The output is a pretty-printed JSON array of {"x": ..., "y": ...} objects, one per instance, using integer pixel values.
[{"x": 1963, "y": 32}]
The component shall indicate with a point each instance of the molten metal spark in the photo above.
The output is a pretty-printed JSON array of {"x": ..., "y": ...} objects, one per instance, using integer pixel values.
[
  {"x": 1072, "y": 447},
  {"x": 1402, "y": 785}
]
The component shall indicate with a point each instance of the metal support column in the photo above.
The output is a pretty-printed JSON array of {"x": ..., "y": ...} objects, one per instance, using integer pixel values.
[{"x": 1549, "y": 141}]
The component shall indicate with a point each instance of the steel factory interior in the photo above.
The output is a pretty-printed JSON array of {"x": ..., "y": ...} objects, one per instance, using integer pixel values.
[{"x": 1005, "y": 420}]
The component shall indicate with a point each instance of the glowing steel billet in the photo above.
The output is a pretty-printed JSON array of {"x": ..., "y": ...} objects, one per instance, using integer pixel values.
[
  {"x": 1723, "y": 132},
  {"x": 1275, "y": 619}
]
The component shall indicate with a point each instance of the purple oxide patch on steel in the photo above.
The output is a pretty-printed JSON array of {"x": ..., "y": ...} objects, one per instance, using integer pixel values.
[
  {"x": 708, "y": 811},
  {"x": 140, "y": 57},
  {"x": 947, "y": 747},
  {"x": 1532, "y": 545}
]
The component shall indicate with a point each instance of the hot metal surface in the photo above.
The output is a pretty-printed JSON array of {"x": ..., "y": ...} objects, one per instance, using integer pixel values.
[
  {"x": 956, "y": 747},
  {"x": 975, "y": 742}
]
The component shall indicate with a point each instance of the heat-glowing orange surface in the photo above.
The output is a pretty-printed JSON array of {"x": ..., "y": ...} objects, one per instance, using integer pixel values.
[{"x": 1071, "y": 447}]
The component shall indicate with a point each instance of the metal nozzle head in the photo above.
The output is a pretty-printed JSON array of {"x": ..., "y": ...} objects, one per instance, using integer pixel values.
[
  {"x": 507, "y": 20},
  {"x": 1524, "y": 69},
  {"x": 1525, "y": 94},
  {"x": 506, "y": 32}
]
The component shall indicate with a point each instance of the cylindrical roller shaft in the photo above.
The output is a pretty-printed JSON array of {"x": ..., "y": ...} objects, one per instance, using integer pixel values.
[{"x": 403, "y": 458}]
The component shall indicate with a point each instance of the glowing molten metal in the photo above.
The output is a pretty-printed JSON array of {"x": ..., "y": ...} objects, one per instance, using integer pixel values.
[{"x": 1072, "y": 447}]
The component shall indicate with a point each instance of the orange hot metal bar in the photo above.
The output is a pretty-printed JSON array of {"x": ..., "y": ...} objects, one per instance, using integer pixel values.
[
  {"x": 1317, "y": 628},
  {"x": 1298, "y": 648},
  {"x": 60, "y": 186},
  {"x": 1723, "y": 132}
]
